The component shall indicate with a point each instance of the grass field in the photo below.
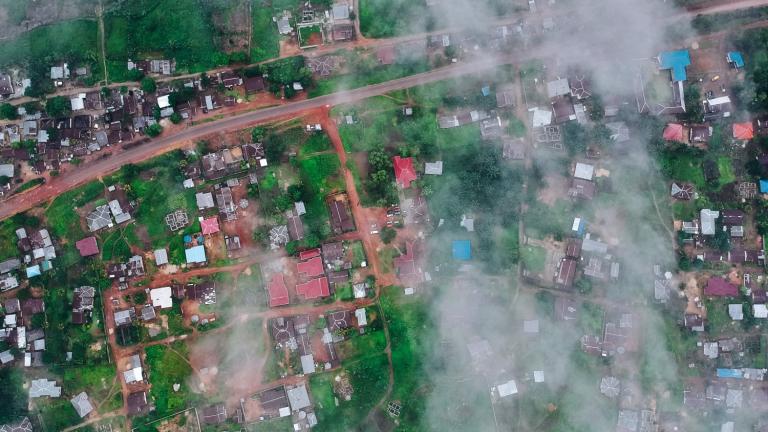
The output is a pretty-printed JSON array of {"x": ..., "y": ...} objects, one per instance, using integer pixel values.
[
  {"x": 167, "y": 367},
  {"x": 174, "y": 29},
  {"x": 368, "y": 377},
  {"x": 75, "y": 42},
  {"x": 265, "y": 43},
  {"x": 726, "y": 170},
  {"x": 533, "y": 257}
]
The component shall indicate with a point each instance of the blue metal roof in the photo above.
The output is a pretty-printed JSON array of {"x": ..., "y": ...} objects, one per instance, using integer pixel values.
[
  {"x": 763, "y": 186},
  {"x": 486, "y": 90},
  {"x": 195, "y": 254},
  {"x": 462, "y": 250},
  {"x": 729, "y": 373},
  {"x": 736, "y": 58},
  {"x": 676, "y": 61},
  {"x": 33, "y": 271}
]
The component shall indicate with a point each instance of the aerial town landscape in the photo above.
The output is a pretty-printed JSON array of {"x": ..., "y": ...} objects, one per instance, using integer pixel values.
[{"x": 383, "y": 215}]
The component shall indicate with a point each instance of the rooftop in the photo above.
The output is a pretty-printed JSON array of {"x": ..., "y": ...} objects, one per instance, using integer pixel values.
[{"x": 676, "y": 62}]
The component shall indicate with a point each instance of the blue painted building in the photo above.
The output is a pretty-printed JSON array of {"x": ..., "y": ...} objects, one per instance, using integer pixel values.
[
  {"x": 763, "y": 186},
  {"x": 735, "y": 59},
  {"x": 196, "y": 255},
  {"x": 462, "y": 250},
  {"x": 675, "y": 62}
]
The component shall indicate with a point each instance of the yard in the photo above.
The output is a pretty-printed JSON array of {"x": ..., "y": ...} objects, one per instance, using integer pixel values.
[
  {"x": 533, "y": 258},
  {"x": 368, "y": 378},
  {"x": 74, "y": 42},
  {"x": 265, "y": 43},
  {"x": 140, "y": 29},
  {"x": 168, "y": 365}
]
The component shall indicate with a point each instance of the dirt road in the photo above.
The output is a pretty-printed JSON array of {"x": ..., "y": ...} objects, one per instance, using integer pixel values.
[{"x": 68, "y": 180}]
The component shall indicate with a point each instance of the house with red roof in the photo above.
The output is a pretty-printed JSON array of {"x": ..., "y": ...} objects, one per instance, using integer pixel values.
[
  {"x": 406, "y": 265},
  {"x": 315, "y": 288},
  {"x": 210, "y": 226},
  {"x": 278, "y": 291},
  {"x": 720, "y": 287},
  {"x": 743, "y": 131},
  {"x": 404, "y": 172},
  {"x": 674, "y": 132},
  {"x": 87, "y": 247},
  {"x": 311, "y": 268},
  {"x": 308, "y": 254}
]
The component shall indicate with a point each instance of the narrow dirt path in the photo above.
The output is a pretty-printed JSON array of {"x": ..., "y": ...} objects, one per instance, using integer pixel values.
[{"x": 102, "y": 37}]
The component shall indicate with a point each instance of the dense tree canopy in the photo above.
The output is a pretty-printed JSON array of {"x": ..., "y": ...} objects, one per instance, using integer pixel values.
[{"x": 14, "y": 400}]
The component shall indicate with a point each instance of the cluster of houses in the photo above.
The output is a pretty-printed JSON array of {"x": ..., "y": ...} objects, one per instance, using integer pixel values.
[
  {"x": 318, "y": 272},
  {"x": 294, "y": 337},
  {"x": 162, "y": 298},
  {"x": 109, "y": 117},
  {"x": 315, "y": 26},
  {"x": 18, "y": 332},
  {"x": 37, "y": 252}
]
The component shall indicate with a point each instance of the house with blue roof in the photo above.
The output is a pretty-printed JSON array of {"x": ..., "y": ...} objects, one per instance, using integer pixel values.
[
  {"x": 196, "y": 255},
  {"x": 729, "y": 373},
  {"x": 763, "y": 186},
  {"x": 735, "y": 59},
  {"x": 33, "y": 271},
  {"x": 461, "y": 250},
  {"x": 676, "y": 62}
]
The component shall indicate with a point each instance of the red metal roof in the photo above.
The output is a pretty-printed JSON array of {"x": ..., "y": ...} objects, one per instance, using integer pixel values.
[
  {"x": 674, "y": 132},
  {"x": 406, "y": 263},
  {"x": 210, "y": 226},
  {"x": 87, "y": 246},
  {"x": 719, "y": 287},
  {"x": 311, "y": 268},
  {"x": 278, "y": 292},
  {"x": 743, "y": 131},
  {"x": 305, "y": 255},
  {"x": 313, "y": 289},
  {"x": 404, "y": 172}
]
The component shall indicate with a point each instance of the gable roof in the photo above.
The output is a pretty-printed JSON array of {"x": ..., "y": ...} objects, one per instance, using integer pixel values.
[
  {"x": 311, "y": 268},
  {"x": 209, "y": 226},
  {"x": 313, "y": 289},
  {"x": 87, "y": 246},
  {"x": 743, "y": 131},
  {"x": 404, "y": 172},
  {"x": 719, "y": 287},
  {"x": 674, "y": 132},
  {"x": 278, "y": 291}
]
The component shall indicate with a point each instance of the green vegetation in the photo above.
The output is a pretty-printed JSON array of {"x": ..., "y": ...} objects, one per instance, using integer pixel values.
[
  {"x": 74, "y": 42},
  {"x": 358, "y": 253},
  {"x": 712, "y": 23},
  {"x": 168, "y": 365},
  {"x": 317, "y": 142},
  {"x": 170, "y": 29},
  {"x": 30, "y": 184},
  {"x": 533, "y": 258},
  {"x": 100, "y": 382},
  {"x": 410, "y": 327},
  {"x": 368, "y": 377},
  {"x": 58, "y": 106},
  {"x": 148, "y": 85},
  {"x": 305, "y": 34},
  {"x": 265, "y": 43},
  {"x": 153, "y": 130},
  {"x": 8, "y": 111},
  {"x": 12, "y": 394},
  {"x": 58, "y": 414}
]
